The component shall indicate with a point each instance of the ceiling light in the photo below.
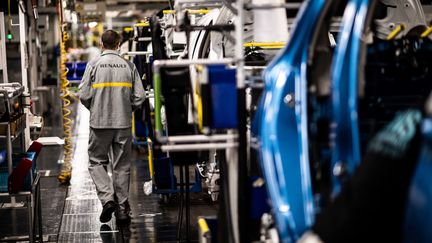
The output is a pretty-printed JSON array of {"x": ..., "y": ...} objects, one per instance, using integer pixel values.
[{"x": 92, "y": 24}]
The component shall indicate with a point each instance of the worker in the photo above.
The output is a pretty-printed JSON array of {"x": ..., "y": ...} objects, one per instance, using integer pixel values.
[{"x": 111, "y": 88}]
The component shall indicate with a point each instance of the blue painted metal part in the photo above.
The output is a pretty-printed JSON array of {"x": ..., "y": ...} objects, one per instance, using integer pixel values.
[
  {"x": 283, "y": 131},
  {"x": 345, "y": 73},
  {"x": 419, "y": 204}
]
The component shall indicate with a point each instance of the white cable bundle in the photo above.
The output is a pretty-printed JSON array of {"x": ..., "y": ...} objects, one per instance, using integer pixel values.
[{"x": 270, "y": 25}]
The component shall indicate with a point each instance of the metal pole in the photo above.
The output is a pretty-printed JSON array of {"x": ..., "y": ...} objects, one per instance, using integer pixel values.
[
  {"x": 243, "y": 180},
  {"x": 273, "y": 5},
  {"x": 181, "y": 63},
  {"x": 197, "y": 147},
  {"x": 24, "y": 67},
  {"x": 9, "y": 147},
  {"x": 136, "y": 53},
  {"x": 200, "y": 138},
  {"x": 3, "y": 64}
]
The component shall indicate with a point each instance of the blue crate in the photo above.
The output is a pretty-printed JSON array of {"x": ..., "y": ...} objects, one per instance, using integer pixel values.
[
  {"x": 80, "y": 69},
  {"x": 4, "y": 173},
  {"x": 224, "y": 96}
]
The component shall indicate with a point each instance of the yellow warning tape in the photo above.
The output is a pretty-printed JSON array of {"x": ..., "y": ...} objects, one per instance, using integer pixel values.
[
  {"x": 114, "y": 84},
  {"x": 143, "y": 24}
]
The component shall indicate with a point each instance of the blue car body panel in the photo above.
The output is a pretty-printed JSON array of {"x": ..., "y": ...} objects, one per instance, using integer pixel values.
[
  {"x": 282, "y": 130},
  {"x": 345, "y": 73}
]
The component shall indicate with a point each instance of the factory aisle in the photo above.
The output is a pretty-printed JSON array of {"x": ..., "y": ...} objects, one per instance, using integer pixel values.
[
  {"x": 151, "y": 222},
  {"x": 80, "y": 221}
]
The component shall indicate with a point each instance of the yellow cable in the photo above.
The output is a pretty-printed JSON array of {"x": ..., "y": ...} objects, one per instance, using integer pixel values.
[
  {"x": 150, "y": 156},
  {"x": 427, "y": 32},
  {"x": 9, "y": 15},
  {"x": 190, "y": 11},
  {"x": 268, "y": 45},
  {"x": 133, "y": 124},
  {"x": 203, "y": 226},
  {"x": 199, "y": 69},
  {"x": 9, "y": 11},
  {"x": 396, "y": 32},
  {"x": 66, "y": 170}
]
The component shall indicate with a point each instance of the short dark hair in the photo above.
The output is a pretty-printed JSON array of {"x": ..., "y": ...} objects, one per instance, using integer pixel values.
[{"x": 110, "y": 39}]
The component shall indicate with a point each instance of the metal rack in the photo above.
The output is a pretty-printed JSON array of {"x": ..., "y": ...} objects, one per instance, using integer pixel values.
[
  {"x": 9, "y": 92},
  {"x": 236, "y": 142}
]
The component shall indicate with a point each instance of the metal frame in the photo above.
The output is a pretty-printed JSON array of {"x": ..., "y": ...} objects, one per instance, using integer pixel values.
[
  {"x": 136, "y": 53},
  {"x": 148, "y": 94},
  {"x": 7, "y": 96},
  {"x": 238, "y": 189},
  {"x": 250, "y": 6},
  {"x": 225, "y": 140},
  {"x": 33, "y": 205}
]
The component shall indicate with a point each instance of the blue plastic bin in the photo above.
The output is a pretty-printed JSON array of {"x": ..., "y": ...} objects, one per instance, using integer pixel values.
[
  {"x": 80, "y": 69},
  {"x": 71, "y": 70},
  {"x": 223, "y": 96}
]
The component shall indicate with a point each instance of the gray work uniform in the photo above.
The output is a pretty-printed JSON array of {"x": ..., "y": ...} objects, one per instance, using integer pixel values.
[{"x": 110, "y": 89}]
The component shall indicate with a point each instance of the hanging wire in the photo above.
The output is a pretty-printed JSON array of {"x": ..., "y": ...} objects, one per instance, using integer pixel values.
[
  {"x": 66, "y": 170},
  {"x": 9, "y": 15}
]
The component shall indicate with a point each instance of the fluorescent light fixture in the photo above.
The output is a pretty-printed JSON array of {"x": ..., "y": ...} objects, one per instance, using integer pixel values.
[{"x": 92, "y": 24}]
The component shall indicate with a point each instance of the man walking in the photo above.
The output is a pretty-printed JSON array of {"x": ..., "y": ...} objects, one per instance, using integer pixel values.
[{"x": 110, "y": 89}]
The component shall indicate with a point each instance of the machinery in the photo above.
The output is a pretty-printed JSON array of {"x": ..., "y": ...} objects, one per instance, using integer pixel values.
[{"x": 264, "y": 111}]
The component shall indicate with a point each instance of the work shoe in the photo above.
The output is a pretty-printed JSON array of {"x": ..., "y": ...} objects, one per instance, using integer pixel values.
[
  {"x": 107, "y": 211},
  {"x": 122, "y": 214},
  {"x": 122, "y": 218}
]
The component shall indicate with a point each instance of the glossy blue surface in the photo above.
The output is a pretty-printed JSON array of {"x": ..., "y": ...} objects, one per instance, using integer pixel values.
[
  {"x": 282, "y": 130},
  {"x": 345, "y": 73},
  {"x": 419, "y": 205}
]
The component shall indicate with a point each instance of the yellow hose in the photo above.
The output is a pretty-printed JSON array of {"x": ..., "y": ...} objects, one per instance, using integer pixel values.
[
  {"x": 150, "y": 156},
  {"x": 396, "y": 32},
  {"x": 190, "y": 11},
  {"x": 205, "y": 230},
  {"x": 267, "y": 45},
  {"x": 198, "y": 98},
  {"x": 65, "y": 173},
  {"x": 427, "y": 32}
]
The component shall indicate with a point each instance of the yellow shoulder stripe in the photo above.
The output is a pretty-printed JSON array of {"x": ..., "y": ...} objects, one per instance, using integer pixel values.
[{"x": 118, "y": 84}]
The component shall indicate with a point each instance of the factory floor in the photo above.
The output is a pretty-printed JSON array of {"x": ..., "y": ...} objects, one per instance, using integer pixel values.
[{"x": 71, "y": 212}]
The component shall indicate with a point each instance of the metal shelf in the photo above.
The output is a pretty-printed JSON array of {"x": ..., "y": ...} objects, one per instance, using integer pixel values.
[
  {"x": 14, "y": 137},
  {"x": 11, "y": 90}
]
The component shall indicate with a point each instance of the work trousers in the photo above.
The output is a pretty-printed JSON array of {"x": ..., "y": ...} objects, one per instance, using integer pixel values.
[{"x": 101, "y": 141}]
